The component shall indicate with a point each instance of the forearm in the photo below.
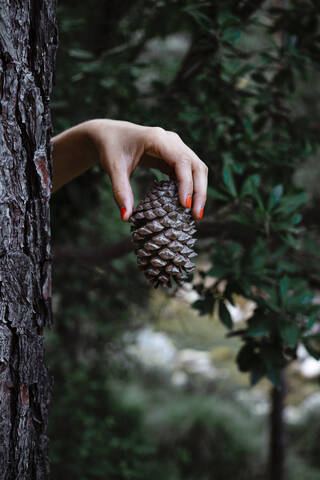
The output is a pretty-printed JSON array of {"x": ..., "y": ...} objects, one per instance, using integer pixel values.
[{"x": 73, "y": 153}]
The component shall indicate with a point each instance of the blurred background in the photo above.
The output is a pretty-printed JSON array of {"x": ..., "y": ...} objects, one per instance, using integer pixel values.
[{"x": 172, "y": 384}]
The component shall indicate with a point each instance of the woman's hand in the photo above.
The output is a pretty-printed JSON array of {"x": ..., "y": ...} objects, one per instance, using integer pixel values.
[{"x": 120, "y": 146}]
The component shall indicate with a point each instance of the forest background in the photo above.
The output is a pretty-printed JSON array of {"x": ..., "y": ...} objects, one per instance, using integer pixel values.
[{"x": 239, "y": 81}]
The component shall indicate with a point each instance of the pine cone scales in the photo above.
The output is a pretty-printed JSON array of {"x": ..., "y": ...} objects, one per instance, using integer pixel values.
[{"x": 162, "y": 234}]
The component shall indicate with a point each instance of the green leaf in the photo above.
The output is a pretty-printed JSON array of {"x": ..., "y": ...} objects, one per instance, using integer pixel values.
[
  {"x": 285, "y": 266},
  {"x": 290, "y": 332},
  {"x": 275, "y": 196},
  {"x": 80, "y": 54},
  {"x": 201, "y": 18},
  {"x": 296, "y": 218},
  {"x": 284, "y": 226},
  {"x": 159, "y": 176},
  {"x": 290, "y": 203},
  {"x": 107, "y": 82},
  {"x": 205, "y": 306},
  {"x": 241, "y": 219},
  {"x": 238, "y": 167},
  {"x": 224, "y": 315},
  {"x": 312, "y": 344},
  {"x": 283, "y": 287},
  {"x": 313, "y": 352},
  {"x": 231, "y": 34},
  {"x": 258, "y": 326},
  {"x": 247, "y": 358},
  {"x": 249, "y": 185},
  {"x": 226, "y": 19},
  {"x": 212, "y": 192},
  {"x": 228, "y": 179},
  {"x": 219, "y": 271},
  {"x": 290, "y": 240},
  {"x": 258, "y": 370},
  {"x": 312, "y": 320},
  {"x": 248, "y": 128},
  {"x": 220, "y": 130}
]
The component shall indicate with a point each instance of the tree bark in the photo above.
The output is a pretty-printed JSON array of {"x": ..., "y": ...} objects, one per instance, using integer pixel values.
[{"x": 28, "y": 39}]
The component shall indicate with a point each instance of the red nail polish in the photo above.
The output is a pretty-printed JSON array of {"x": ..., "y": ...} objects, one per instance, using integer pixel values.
[
  {"x": 189, "y": 201},
  {"x": 123, "y": 212},
  {"x": 201, "y": 213}
]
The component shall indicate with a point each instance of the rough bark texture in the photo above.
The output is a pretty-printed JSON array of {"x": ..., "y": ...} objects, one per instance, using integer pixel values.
[{"x": 28, "y": 38}]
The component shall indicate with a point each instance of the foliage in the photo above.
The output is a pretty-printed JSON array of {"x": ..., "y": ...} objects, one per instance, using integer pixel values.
[
  {"x": 244, "y": 120},
  {"x": 303, "y": 436},
  {"x": 105, "y": 439},
  {"x": 184, "y": 438},
  {"x": 233, "y": 97},
  {"x": 236, "y": 80}
]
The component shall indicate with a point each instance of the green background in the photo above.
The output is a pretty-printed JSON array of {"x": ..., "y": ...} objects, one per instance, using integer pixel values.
[{"x": 239, "y": 82}]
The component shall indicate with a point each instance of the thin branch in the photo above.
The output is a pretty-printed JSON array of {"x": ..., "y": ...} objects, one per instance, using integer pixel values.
[{"x": 92, "y": 254}]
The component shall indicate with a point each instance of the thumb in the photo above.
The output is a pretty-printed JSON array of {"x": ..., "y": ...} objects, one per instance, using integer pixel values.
[{"x": 122, "y": 193}]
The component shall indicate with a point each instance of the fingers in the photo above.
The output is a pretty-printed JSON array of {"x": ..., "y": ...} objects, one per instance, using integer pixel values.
[
  {"x": 122, "y": 191},
  {"x": 148, "y": 161},
  {"x": 200, "y": 181},
  {"x": 183, "y": 173},
  {"x": 191, "y": 172}
]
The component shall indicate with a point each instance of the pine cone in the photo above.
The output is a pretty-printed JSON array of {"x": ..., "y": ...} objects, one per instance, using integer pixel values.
[{"x": 162, "y": 234}]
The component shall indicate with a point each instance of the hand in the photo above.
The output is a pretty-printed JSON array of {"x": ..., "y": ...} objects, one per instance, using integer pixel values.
[{"x": 120, "y": 146}]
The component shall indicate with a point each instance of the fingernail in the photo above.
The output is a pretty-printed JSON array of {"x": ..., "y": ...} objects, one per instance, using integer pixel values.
[
  {"x": 201, "y": 213},
  {"x": 123, "y": 212},
  {"x": 189, "y": 201}
]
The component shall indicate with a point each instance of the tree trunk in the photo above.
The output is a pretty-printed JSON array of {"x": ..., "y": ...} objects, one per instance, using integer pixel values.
[
  {"x": 277, "y": 470},
  {"x": 28, "y": 39}
]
